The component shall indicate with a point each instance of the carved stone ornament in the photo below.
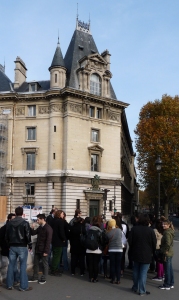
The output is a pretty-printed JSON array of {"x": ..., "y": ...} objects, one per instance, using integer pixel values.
[
  {"x": 56, "y": 108},
  {"x": 20, "y": 111},
  {"x": 76, "y": 108},
  {"x": 114, "y": 117},
  {"x": 95, "y": 182},
  {"x": 43, "y": 110}
]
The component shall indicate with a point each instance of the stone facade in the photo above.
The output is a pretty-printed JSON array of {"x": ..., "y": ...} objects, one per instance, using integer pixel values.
[{"x": 56, "y": 133}]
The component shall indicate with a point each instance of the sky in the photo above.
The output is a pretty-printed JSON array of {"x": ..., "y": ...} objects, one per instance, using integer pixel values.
[{"x": 142, "y": 37}]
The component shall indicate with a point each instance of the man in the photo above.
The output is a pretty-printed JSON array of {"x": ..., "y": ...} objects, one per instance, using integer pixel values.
[
  {"x": 78, "y": 214},
  {"x": 142, "y": 242},
  {"x": 5, "y": 247},
  {"x": 50, "y": 217},
  {"x": 42, "y": 249},
  {"x": 18, "y": 237}
]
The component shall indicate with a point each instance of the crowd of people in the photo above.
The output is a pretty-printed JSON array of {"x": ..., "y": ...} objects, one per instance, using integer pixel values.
[{"x": 93, "y": 243}]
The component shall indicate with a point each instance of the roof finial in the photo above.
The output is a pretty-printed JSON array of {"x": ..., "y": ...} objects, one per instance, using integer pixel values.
[
  {"x": 58, "y": 44},
  {"x": 77, "y": 12}
]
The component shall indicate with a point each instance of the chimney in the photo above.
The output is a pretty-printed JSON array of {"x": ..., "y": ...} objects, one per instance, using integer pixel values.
[
  {"x": 20, "y": 72},
  {"x": 106, "y": 56}
]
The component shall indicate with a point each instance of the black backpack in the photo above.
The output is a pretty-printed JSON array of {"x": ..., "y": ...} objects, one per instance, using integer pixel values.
[{"x": 92, "y": 239}]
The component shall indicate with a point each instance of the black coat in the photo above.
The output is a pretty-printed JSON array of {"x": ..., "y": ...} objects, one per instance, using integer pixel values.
[
  {"x": 75, "y": 243},
  {"x": 142, "y": 242},
  {"x": 3, "y": 243},
  {"x": 58, "y": 237}
]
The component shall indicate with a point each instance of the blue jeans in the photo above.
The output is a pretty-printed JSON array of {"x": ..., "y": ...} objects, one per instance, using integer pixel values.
[
  {"x": 65, "y": 257},
  {"x": 115, "y": 265},
  {"x": 169, "y": 278},
  {"x": 140, "y": 277},
  {"x": 14, "y": 253}
]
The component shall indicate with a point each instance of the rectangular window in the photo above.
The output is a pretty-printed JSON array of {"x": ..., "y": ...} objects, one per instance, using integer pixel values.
[
  {"x": 95, "y": 135},
  {"x": 30, "y": 188},
  {"x": 53, "y": 185},
  {"x": 55, "y": 78},
  {"x": 31, "y": 133},
  {"x": 77, "y": 203},
  {"x": 91, "y": 111},
  {"x": 31, "y": 161},
  {"x": 94, "y": 162},
  {"x": 55, "y": 128},
  {"x": 33, "y": 87},
  {"x": 32, "y": 110},
  {"x": 98, "y": 113}
]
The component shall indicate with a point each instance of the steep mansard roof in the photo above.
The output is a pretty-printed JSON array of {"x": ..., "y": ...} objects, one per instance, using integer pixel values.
[
  {"x": 82, "y": 44},
  {"x": 58, "y": 58},
  {"x": 5, "y": 82}
]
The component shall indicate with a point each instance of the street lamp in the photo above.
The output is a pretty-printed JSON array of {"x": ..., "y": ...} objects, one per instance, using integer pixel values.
[
  {"x": 158, "y": 165},
  {"x": 27, "y": 189},
  {"x": 105, "y": 199}
]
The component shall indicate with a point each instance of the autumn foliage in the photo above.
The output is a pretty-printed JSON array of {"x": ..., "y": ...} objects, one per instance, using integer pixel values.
[{"x": 157, "y": 133}]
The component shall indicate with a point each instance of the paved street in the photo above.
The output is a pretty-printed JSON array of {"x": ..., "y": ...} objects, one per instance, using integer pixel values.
[{"x": 78, "y": 288}]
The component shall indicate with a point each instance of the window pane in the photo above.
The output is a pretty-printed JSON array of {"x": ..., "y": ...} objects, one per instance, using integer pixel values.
[
  {"x": 31, "y": 110},
  {"x": 31, "y": 133},
  {"x": 30, "y": 188},
  {"x": 98, "y": 113},
  {"x": 94, "y": 162},
  {"x": 95, "y": 84},
  {"x": 91, "y": 112},
  {"x": 95, "y": 135},
  {"x": 30, "y": 161}
]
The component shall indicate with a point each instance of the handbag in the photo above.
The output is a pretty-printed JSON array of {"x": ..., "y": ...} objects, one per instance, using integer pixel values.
[
  {"x": 105, "y": 251},
  {"x": 160, "y": 256}
]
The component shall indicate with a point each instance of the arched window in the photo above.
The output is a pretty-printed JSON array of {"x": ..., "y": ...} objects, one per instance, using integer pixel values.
[
  {"x": 55, "y": 78},
  {"x": 95, "y": 84}
]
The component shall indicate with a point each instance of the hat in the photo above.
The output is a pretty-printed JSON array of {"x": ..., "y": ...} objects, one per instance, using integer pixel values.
[{"x": 112, "y": 223}]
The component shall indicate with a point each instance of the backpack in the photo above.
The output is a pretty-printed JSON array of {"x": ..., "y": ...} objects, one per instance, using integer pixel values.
[{"x": 93, "y": 239}]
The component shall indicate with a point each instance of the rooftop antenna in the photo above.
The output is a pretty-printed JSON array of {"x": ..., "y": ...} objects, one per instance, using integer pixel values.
[
  {"x": 4, "y": 65},
  {"x": 89, "y": 22}
]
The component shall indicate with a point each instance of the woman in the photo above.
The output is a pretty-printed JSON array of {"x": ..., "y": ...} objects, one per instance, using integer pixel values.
[
  {"x": 76, "y": 249},
  {"x": 58, "y": 241},
  {"x": 159, "y": 266},
  {"x": 167, "y": 250},
  {"x": 142, "y": 243},
  {"x": 123, "y": 228},
  {"x": 115, "y": 250},
  {"x": 93, "y": 256}
]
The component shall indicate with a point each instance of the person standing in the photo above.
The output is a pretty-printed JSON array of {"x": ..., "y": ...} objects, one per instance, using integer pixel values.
[
  {"x": 5, "y": 248},
  {"x": 42, "y": 248},
  {"x": 142, "y": 242},
  {"x": 115, "y": 250},
  {"x": 167, "y": 250},
  {"x": 18, "y": 237},
  {"x": 58, "y": 241}
]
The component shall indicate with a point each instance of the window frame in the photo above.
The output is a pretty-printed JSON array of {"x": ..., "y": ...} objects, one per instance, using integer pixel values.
[
  {"x": 30, "y": 166},
  {"x": 97, "y": 169},
  {"x": 95, "y": 85},
  {"x": 27, "y": 133},
  {"x": 98, "y": 135},
  {"x": 33, "y": 113},
  {"x": 92, "y": 111}
]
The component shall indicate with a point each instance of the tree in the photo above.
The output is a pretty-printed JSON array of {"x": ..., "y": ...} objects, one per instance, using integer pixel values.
[{"x": 157, "y": 133}]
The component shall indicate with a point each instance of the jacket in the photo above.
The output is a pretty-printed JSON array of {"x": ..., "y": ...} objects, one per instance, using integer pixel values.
[
  {"x": 142, "y": 242},
  {"x": 58, "y": 237},
  {"x": 75, "y": 243},
  {"x": 18, "y": 233},
  {"x": 44, "y": 238},
  {"x": 3, "y": 244},
  {"x": 115, "y": 239},
  {"x": 167, "y": 242}
]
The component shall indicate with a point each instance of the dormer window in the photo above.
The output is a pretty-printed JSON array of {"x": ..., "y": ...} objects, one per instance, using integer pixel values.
[
  {"x": 33, "y": 86},
  {"x": 95, "y": 84}
]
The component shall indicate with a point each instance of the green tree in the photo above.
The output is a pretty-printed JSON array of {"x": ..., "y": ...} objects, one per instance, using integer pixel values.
[{"x": 157, "y": 133}]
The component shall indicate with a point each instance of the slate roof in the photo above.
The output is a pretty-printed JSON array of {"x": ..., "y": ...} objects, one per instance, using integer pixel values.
[
  {"x": 82, "y": 44},
  {"x": 43, "y": 86},
  {"x": 5, "y": 82},
  {"x": 58, "y": 58}
]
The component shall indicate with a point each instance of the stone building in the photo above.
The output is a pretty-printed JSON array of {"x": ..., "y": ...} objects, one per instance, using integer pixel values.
[{"x": 68, "y": 137}]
